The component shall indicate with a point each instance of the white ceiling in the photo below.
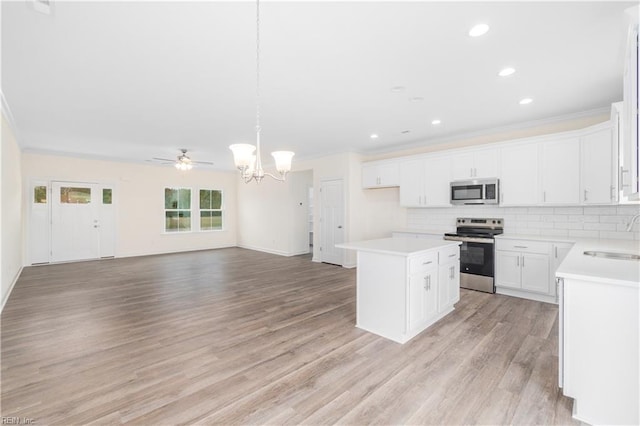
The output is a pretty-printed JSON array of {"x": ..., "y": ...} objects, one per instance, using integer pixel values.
[{"x": 136, "y": 80}]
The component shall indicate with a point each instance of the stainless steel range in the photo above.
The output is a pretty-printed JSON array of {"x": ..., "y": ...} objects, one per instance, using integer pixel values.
[{"x": 476, "y": 251}]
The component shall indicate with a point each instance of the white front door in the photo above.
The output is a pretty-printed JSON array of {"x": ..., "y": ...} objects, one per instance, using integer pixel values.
[
  {"x": 78, "y": 213},
  {"x": 332, "y": 221}
]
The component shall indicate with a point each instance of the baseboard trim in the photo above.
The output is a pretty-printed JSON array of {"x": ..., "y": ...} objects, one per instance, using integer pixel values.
[
  {"x": 526, "y": 295},
  {"x": 270, "y": 251},
  {"x": 13, "y": 284}
]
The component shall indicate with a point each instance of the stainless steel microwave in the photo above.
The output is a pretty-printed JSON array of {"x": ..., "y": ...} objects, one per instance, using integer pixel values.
[{"x": 476, "y": 191}]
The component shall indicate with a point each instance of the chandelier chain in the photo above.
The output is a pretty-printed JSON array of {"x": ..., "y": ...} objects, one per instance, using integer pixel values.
[{"x": 258, "y": 65}]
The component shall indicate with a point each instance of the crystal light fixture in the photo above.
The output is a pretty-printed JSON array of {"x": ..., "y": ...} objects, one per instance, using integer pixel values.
[{"x": 248, "y": 162}]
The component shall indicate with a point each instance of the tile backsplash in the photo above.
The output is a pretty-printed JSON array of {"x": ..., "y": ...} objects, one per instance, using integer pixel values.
[{"x": 584, "y": 222}]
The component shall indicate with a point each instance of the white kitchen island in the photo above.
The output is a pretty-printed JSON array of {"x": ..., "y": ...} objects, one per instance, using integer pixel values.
[
  {"x": 405, "y": 284},
  {"x": 599, "y": 332}
]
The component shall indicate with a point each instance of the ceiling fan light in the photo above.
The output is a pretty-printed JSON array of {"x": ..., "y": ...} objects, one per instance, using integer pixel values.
[
  {"x": 283, "y": 160},
  {"x": 183, "y": 166},
  {"x": 243, "y": 154}
]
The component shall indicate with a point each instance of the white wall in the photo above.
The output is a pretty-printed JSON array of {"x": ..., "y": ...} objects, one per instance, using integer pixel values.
[
  {"x": 582, "y": 222},
  {"x": 11, "y": 219},
  {"x": 272, "y": 215},
  {"x": 139, "y": 199}
]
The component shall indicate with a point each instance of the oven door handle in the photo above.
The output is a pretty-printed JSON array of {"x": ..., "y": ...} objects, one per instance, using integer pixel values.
[{"x": 470, "y": 240}]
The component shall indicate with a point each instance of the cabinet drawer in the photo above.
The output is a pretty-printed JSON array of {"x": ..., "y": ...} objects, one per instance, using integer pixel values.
[
  {"x": 423, "y": 261},
  {"x": 523, "y": 246},
  {"x": 449, "y": 254}
]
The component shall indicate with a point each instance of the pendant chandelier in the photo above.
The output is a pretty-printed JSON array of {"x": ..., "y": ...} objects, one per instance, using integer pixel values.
[{"x": 250, "y": 164}]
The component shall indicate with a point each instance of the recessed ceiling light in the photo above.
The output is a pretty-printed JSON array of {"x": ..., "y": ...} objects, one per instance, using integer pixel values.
[
  {"x": 397, "y": 89},
  {"x": 478, "y": 30},
  {"x": 374, "y": 136},
  {"x": 525, "y": 101},
  {"x": 506, "y": 71},
  {"x": 436, "y": 122}
]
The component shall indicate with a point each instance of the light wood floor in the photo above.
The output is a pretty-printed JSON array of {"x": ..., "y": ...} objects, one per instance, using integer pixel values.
[{"x": 234, "y": 336}]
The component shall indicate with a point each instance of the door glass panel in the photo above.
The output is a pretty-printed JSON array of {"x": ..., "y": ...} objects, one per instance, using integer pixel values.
[
  {"x": 40, "y": 195},
  {"x": 106, "y": 196},
  {"x": 75, "y": 195}
]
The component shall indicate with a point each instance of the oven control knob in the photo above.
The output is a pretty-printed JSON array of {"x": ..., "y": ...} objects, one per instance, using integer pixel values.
[{"x": 494, "y": 221}]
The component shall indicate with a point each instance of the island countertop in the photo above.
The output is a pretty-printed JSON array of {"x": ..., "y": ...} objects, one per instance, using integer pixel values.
[{"x": 398, "y": 246}]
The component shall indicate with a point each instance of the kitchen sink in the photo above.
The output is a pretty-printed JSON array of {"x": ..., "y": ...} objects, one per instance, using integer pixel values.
[{"x": 612, "y": 255}]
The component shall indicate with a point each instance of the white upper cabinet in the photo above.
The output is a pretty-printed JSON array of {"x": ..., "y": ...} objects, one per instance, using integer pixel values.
[
  {"x": 475, "y": 164},
  {"x": 630, "y": 123},
  {"x": 380, "y": 174},
  {"x": 412, "y": 183},
  {"x": 424, "y": 182},
  {"x": 519, "y": 177},
  {"x": 437, "y": 181},
  {"x": 560, "y": 171},
  {"x": 598, "y": 171}
]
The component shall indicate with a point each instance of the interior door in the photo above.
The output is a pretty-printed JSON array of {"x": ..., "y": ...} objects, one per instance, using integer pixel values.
[
  {"x": 75, "y": 221},
  {"x": 332, "y": 221}
]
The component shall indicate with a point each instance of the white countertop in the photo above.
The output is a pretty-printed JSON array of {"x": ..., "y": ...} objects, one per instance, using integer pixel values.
[
  {"x": 577, "y": 265},
  {"x": 398, "y": 246},
  {"x": 531, "y": 237},
  {"x": 423, "y": 231}
]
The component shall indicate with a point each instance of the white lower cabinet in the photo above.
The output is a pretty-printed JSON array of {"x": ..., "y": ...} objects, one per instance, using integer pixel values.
[
  {"x": 598, "y": 350},
  {"x": 449, "y": 279},
  {"x": 523, "y": 269},
  {"x": 423, "y": 296},
  {"x": 400, "y": 296}
]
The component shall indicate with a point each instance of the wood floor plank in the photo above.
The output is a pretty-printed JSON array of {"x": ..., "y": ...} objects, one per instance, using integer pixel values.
[{"x": 234, "y": 336}]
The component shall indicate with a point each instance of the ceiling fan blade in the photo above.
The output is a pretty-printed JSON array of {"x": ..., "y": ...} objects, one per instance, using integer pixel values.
[
  {"x": 203, "y": 162},
  {"x": 163, "y": 159}
]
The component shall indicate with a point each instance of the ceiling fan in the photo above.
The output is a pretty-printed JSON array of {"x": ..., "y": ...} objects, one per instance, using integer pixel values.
[{"x": 183, "y": 162}]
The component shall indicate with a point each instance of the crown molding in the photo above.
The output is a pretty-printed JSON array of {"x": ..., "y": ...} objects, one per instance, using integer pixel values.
[{"x": 490, "y": 131}]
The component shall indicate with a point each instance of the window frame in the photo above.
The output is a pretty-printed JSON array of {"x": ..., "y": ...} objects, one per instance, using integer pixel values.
[
  {"x": 221, "y": 210},
  {"x": 165, "y": 210}
]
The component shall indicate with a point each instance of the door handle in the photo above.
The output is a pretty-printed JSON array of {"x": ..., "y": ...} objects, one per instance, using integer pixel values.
[{"x": 339, "y": 226}]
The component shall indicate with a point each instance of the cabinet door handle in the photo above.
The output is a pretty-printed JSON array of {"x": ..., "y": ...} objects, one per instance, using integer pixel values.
[
  {"x": 544, "y": 196},
  {"x": 523, "y": 260},
  {"x": 453, "y": 272},
  {"x": 502, "y": 197},
  {"x": 521, "y": 246},
  {"x": 427, "y": 263},
  {"x": 470, "y": 171},
  {"x": 612, "y": 193},
  {"x": 518, "y": 261},
  {"x": 556, "y": 249},
  {"x": 451, "y": 255},
  {"x": 622, "y": 179},
  {"x": 585, "y": 195}
]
